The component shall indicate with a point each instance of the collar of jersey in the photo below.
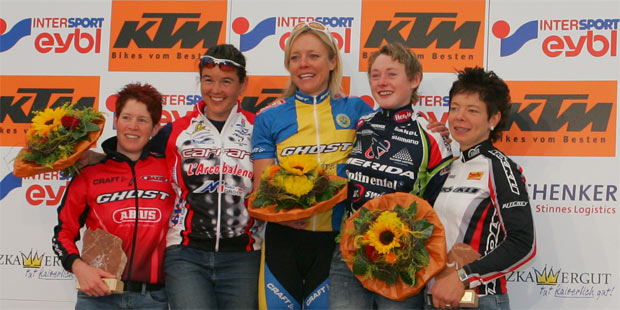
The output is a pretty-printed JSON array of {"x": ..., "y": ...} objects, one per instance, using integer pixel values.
[
  {"x": 474, "y": 151},
  {"x": 391, "y": 113},
  {"x": 299, "y": 96}
]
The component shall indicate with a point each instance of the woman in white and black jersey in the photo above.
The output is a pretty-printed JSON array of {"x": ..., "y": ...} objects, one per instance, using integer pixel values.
[{"x": 484, "y": 201}]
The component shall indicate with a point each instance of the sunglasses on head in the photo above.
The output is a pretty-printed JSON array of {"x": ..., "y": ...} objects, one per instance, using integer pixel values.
[
  {"x": 314, "y": 26},
  {"x": 224, "y": 64}
]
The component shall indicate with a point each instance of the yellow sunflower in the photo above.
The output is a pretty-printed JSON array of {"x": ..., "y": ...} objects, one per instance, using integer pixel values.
[
  {"x": 299, "y": 164},
  {"x": 47, "y": 121},
  {"x": 297, "y": 185},
  {"x": 384, "y": 234}
]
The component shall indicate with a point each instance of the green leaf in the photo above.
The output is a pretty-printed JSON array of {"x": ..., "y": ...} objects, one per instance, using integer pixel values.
[
  {"x": 389, "y": 277},
  {"x": 91, "y": 127},
  {"x": 412, "y": 210},
  {"x": 360, "y": 267},
  {"x": 259, "y": 202},
  {"x": 406, "y": 278}
]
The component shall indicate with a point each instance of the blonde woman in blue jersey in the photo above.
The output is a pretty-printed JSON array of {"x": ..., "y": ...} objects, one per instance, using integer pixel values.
[{"x": 313, "y": 118}]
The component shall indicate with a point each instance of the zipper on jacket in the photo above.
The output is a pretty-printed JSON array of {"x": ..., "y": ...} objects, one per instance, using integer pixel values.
[
  {"x": 135, "y": 228},
  {"x": 219, "y": 189},
  {"x": 318, "y": 146}
]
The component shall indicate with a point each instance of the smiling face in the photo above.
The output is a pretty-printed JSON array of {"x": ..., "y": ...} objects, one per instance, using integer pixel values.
[
  {"x": 220, "y": 91},
  {"x": 309, "y": 64},
  {"x": 389, "y": 83},
  {"x": 469, "y": 121},
  {"x": 134, "y": 128}
]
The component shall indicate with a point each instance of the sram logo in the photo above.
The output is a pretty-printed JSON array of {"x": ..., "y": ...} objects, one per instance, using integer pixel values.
[
  {"x": 164, "y": 36},
  {"x": 144, "y": 215},
  {"x": 444, "y": 35},
  {"x": 22, "y": 96},
  {"x": 576, "y": 118}
]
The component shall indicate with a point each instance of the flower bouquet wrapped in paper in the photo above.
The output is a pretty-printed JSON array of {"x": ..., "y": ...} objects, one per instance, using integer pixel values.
[
  {"x": 296, "y": 188},
  {"x": 394, "y": 244},
  {"x": 56, "y": 139}
]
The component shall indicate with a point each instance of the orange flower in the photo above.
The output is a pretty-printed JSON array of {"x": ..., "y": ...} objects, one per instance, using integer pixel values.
[
  {"x": 273, "y": 170},
  {"x": 391, "y": 258}
]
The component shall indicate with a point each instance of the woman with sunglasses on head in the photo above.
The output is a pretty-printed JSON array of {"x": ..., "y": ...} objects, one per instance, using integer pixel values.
[
  {"x": 212, "y": 258},
  {"x": 107, "y": 195},
  {"x": 494, "y": 219},
  {"x": 396, "y": 137},
  {"x": 313, "y": 118}
]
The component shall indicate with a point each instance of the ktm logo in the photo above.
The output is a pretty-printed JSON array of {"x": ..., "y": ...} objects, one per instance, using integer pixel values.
[
  {"x": 12, "y": 106},
  {"x": 444, "y": 35},
  {"x": 255, "y": 103},
  {"x": 561, "y": 119},
  {"x": 165, "y": 36},
  {"x": 23, "y": 96},
  {"x": 574, "y": 115},
  {"x": 173, "y": 28}
]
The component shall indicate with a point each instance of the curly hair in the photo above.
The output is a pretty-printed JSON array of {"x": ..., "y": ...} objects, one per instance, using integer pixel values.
[
  {"x": 144, "y": 93},
  {"x": 491, "y": 89}
]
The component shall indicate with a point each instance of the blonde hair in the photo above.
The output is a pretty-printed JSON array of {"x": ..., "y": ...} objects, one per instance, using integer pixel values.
[
  {"x": 335, "y": 76},
  {"x": 405, "y": 56}
]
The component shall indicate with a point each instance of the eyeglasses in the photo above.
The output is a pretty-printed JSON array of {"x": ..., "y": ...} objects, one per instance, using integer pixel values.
[
  {"x": 228, "y": 65},
  {"x": 313, "y": 25}
]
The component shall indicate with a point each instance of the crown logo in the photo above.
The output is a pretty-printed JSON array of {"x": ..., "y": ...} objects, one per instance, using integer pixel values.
[
  {"x": 545, "y": 277},
  {"x": 30, "y": 261}
]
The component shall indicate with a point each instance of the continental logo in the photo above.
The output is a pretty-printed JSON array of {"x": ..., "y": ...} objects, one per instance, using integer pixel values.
[
  {"x": 164, "y": 36},
  {"x": 444, "y": 35},
  {"x": 575, "y": 118},
  {"x": 22, "y": 96},
  {"x": 264, "y": 90}
]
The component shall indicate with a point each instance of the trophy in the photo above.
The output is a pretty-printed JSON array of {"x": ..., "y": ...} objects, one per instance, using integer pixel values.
[
  {"x": 104, "y": 250},
  {"x": 462, "y": 254}
]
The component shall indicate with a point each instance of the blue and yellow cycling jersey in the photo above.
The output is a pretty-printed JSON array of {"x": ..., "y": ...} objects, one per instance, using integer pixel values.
[{"x": 302, "y": 124}]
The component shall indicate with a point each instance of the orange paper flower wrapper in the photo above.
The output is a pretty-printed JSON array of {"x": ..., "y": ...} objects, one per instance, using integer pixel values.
[
  {"x": 22, "y": 168},
  {"x": 270, "y": 214},
  {"x": 436, "y": 246}
]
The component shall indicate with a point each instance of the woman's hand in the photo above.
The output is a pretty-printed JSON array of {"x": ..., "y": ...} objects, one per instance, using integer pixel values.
[
  {"x": 89, "y": 278},
  {"x": 297, "y": 224},
  {"x": 447, "y": 290},
  {"x": 90, "y": 157},
  {"x": 441, "y": 129}
]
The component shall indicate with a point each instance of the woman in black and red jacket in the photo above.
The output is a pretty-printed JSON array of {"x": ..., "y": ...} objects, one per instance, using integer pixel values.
[{"x": 129, "y": 195}]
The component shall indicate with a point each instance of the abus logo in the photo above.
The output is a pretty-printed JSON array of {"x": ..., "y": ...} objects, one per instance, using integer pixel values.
[
  {"x": 441, "y": 34},
  {"x": 596, "y": 37},
  {"x": 339, "y": 27},
  {"x": 150, "y": 36},
  {"x": 561, "y": 119},
  {"x": 22, "y": 96},
  {"x": 52, "y": 35},
  {"x": 145, "y": 215}
]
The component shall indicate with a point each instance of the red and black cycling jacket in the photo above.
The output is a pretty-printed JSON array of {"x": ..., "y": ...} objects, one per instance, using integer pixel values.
[{"x": 131, "y": 200}]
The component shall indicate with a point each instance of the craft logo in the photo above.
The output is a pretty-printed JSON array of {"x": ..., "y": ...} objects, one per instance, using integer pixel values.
[
  {"x": 36, "y": 265},
  {"x": 572, "y": 118},
  {"x": 575, "y": 199},
  {"x": 444, "y": 35},
  {"x": 55, "y": 34},
  {"x": 264, "y": 90},
  {"x": 558, "y": 283},
  {"x": 561, "y": 37},
  {"x": 22, "y": 96},
  {"x": 164, "y": 36},
  {"x": 339, "y": 27}
]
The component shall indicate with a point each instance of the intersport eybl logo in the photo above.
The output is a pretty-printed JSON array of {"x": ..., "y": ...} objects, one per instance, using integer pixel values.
[
  {"x": 22, "y": 96},
  {"x": 574, "y": 118},
  {"x": 164, "y": 36},
  {"x": 263, "y": 90},
  {"x": 444, "y": 35}
]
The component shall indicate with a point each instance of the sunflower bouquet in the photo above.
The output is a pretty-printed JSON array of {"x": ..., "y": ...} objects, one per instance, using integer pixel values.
[
  {"x": 394, "y": 244},
  {"x": 56, "y": 139},
  {"x": 294, "y": 189}
]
